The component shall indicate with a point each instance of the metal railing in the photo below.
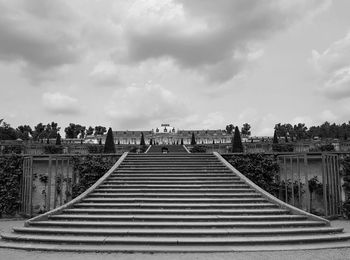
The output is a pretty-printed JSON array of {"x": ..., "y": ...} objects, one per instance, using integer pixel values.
[{"x": 302, "y": 175}]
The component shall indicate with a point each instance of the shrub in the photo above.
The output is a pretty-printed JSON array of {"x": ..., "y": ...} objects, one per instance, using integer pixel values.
[
  {"x": 140, "y": 149},
  {"x": 193, "y": 139},
  {"x": 10, "y": 183},
  {"x": 282, "y": 147},
  {"x": 327, "y": 148},
  {"x": 142, "y": 142},
  {"x": 346, "y": 177},
  {"x": 237, "y": 146},
  {"x": 12, "y": 149},
  {"x": 109, "y": 144},
  {"x": 95, "y": 148},
  {"x": 198, "y": 149},
  {"x": 259, "y": 168},
  {"x": 53, "y": 149},
  {"x": 89, "y": 170}
]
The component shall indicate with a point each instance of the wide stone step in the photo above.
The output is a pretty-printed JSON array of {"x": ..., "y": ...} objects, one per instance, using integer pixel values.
[
  {"x": 170, "y": 160},
  {"x": 169, "y": 155},
  {"x": 179, "y": 225},
  {"x": 178, "y": 200},
  {"x": 173, "y": 182},
  {"x": 91, "y": 202},
  {"x": 174, "y": 171},
  {"x": 199, "y": 190},
  {"x": 161, "y": 186},
  {"x": 174, "y": 178},
  {"x": 167, "y": 232},
  {"x": 188, "y": 240},
  {"x": 112, "y": 193},
  {"x": 194, "y": 180},
  {"x": 170, "y": 164},
  {"x": 175, "y": 218},
  {"x": 172, "y": 167},
  {"x": 177, "y": 211},
  {"x": 173, "y": 175}
]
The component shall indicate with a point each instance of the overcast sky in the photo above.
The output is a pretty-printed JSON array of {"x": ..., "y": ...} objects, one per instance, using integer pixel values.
[{"x": 195, "y": 64}]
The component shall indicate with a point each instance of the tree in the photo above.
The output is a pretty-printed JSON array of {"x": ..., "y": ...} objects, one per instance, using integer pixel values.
[
  {"x": 109, "y": 144},
  {"x": 51, "y": 130},
  {"x": 237, "y": 146},
  {"x": 100, "y": 130},
  {"x": 90, "y": 130},
  {"x": 193, "y": 139},
  {"x": 275, "y": 138},
  {"x": 39, "y": 132},
  {"x": 82, "y": 131},
  {"x": 7, "y": 132},
  {"x": 58, "y": 139},
  {"x": 300, "y": 131},
  {"x": 73, "y": 130},
  {"x": 182, "y": 141},
  {"x": 24, "y": 132},
  {"x": 142, "y": 142},
  {"x": 229, "y": 128},
  {"x": 246, "y": 130}
]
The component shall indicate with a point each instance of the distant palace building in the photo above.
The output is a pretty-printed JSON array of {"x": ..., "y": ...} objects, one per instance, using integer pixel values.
[{"x": 167, "y": 134}]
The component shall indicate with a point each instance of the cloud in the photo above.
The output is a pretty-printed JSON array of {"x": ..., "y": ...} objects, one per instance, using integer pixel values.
[
  {"x": 106, "y": 73},
  {"x": 214, "y": 39},
  {"x": 58, "y": 103},
  {"x": 332, "y": 68},
  {"x": 213, "y": 120},
  {"x": 139, "y": 107},
  {"x": 41, "y": 34}
]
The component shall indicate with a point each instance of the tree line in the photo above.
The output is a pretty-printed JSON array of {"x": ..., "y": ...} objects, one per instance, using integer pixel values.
[
  {"x": 302, "y": 132},
  {"x": 47, "y": 131}
]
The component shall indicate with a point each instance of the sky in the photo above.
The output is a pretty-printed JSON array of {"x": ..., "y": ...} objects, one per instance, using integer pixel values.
[{"x": 194, "y": 64}]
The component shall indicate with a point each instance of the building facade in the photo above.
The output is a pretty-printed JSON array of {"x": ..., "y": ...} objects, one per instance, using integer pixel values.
[{"x": 167, "y": 134}]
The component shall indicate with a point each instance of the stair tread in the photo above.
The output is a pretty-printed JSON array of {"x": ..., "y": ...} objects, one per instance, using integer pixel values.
[
  {"x": 177, "y": 217},
  {"x": 208, "y": 205},
  {"x": 176, "y": 223},
  {"x": 177, "y": 240},
  {"x": 189, "y": 231},
  {"x": 180, "y": 211}
]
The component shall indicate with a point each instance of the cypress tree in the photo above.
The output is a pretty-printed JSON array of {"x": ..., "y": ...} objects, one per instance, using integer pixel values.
[
  {"x": 237, "y": 146},
  {"x": 109, "y": 144},
  {"x": 193, "y": 139},
  {"x": 275, "y": 138},
  {"x": 286, "y": 138},
  {"x": 58, "y": 139},
  {"x": 142, "y": 142},
  {"x": 182, "y": 141}
]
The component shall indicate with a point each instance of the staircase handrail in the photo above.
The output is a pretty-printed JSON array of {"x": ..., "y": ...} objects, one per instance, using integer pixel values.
[
  {"x": 81, "y": 196},
  {"x": 267, "y": 195}
]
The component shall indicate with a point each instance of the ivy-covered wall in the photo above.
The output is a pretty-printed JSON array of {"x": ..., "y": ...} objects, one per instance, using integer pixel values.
[
  {"x": 89, "y": 169},
  {"x": 259, "y": 168},
  {"x": 346, "y": 185},
  {"x": 10, "y": 183}
]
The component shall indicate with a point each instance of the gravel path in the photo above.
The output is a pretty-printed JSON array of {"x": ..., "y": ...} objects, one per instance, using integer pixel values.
[{"x": 9, "y": 254}]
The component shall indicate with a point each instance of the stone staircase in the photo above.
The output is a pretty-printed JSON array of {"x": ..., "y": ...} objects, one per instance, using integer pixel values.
[
  {"x": 172, "y": 149},
  {"x": 176, "y": 202}
]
